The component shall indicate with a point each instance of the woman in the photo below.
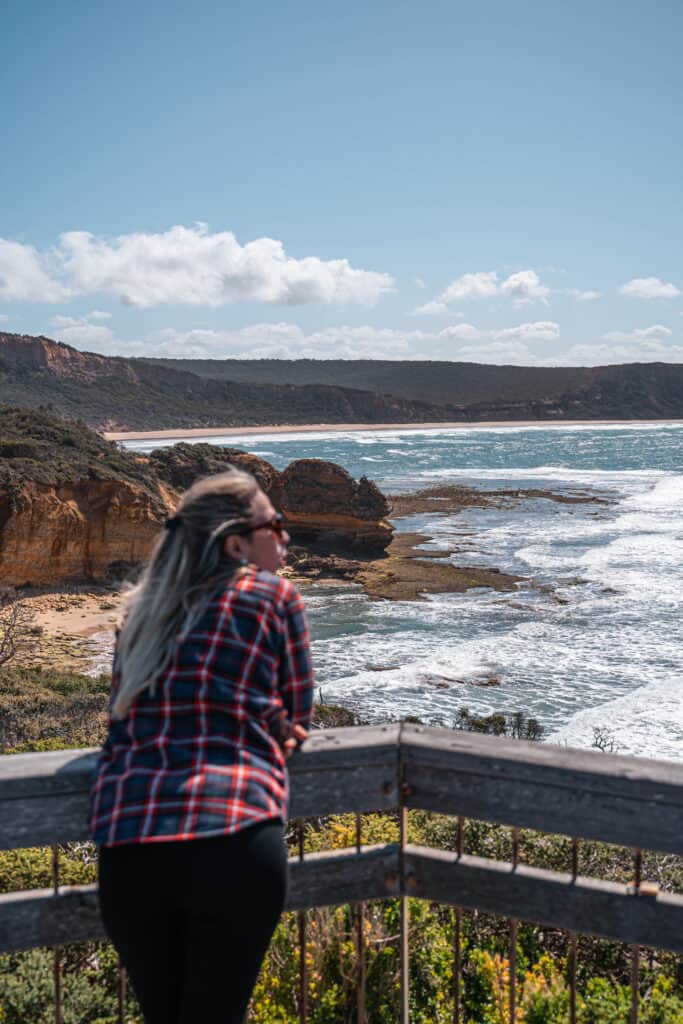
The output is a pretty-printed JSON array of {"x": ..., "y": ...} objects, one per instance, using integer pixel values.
[{"x": 212, "y": 689}]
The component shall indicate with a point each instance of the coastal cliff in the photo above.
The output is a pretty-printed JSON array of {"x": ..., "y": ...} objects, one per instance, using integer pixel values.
[
  {"x": 72, "y": 505},
  {"x": 76, "y": 530},
  {"x": 117, "y": 394},
  {"x": 75, "y": 506}
]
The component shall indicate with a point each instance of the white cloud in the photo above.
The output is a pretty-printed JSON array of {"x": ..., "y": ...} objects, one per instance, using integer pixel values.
[
  {"x": 481, "y": 285},
  {"x": 652, "y": 351},
  {"x": 649, "y": 288},
  {"x": 289, "y": 341},
  {"x": 181, "y": 266},
  {"x": 541, "y": 330},
  {"x": 522, "y": 345},
  {"x": 461, "y": 332},
  {"x": 525, "y": 286},
  {"x": 26, "y": 275},
  {"x": 433, "y": 308},
  {"x": 500, "y": 353},
  {"x": 259, "y": 341},
  {"x": 3, "y": 318},
  {"x": 84, "y": 335},
  {"x": 194, "y": 267},
  {"x": 580, "y": 296},
  {"x": 420, "y": 282},
  {"x": 657, "y": 332},
  {"x": 522, "y": 287}
]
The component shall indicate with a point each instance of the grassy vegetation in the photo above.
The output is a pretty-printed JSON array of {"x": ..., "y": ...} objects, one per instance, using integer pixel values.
[{"x": 39, "y": 447}]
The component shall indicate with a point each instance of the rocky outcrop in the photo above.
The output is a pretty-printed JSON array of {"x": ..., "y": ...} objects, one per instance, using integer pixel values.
[
  {"x": 179, "y": 465},
  {"x": 41, "y": 354},
  {"x": 327, "y": 511}
]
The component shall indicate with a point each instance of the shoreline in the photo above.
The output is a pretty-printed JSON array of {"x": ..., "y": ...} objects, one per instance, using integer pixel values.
[
  {"x": 314, "y": 428},
  {"x": 74, "y": 622}
]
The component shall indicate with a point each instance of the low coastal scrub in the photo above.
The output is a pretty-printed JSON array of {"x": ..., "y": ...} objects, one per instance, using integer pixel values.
[
  {"x": 37, "y": 446},
  {"x": 89, "y": 969},
  {"x": 49, "y": 709}
]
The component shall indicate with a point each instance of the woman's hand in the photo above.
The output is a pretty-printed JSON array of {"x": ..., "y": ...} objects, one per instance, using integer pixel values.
[
  {"x": 298, "y": 735},
  {"x": 288, "y": 735}
]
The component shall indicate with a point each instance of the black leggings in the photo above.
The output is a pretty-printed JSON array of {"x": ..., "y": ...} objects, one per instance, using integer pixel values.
[{"x": 192, "y": 919}]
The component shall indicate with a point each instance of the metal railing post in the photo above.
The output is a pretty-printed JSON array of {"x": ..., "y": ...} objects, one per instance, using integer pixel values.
[
  {"x": 360, "y": 937},
  {"x": 404, "y": 952},
  {"x": 301, "y": 924},
  {"x": 514, "y": 928},
  {"x": 121, "y": 987},
  {"x": 56, "y": 954},
  {"x": 457, "y": 934},
  {"x": 573, "y": 950},
  {"x": 635, "y": 950}
]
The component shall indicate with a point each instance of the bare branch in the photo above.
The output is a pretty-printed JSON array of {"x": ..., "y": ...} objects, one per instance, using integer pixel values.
[
  {"x": 16, "y": 619},
  {"x": 604, "y": 740}
]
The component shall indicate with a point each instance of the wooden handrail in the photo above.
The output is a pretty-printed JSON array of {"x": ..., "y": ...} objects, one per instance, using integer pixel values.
[{"x": 629, "y": 801}]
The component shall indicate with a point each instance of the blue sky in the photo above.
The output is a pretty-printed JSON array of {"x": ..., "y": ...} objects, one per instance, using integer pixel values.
[{"x": 493, "y": 182}]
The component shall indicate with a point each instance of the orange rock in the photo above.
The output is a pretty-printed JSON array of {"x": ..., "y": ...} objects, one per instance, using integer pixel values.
[
  {"x": 329, "y": 510},
  {"x": 79, "y": 530},
  {"x": 325, "y": 508}
]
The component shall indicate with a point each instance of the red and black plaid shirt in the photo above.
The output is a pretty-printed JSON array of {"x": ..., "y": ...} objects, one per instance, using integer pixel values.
[{"x": 202, "y": 755}]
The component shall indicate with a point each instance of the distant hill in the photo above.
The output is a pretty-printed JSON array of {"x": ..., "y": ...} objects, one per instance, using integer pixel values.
[
  {"x": 475, "y": 390},
  {"x": 111, "y": 393}
]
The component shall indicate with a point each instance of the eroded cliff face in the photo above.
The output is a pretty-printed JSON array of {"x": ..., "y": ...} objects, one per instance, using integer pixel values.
[
  {"x": 79, "y": 530},
  {"x": 43, "y": 354}
]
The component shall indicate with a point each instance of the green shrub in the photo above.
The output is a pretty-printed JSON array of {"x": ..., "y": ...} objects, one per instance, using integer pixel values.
[{"x": 88, "y": 988}]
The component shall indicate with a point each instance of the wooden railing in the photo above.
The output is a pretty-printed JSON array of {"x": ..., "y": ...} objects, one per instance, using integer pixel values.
[{"x": 582, "y": 794}]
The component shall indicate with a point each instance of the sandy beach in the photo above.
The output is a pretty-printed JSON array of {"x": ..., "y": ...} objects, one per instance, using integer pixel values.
[
  {"x": 310, "y": 428},
  {"x": 71, "y": 625}
]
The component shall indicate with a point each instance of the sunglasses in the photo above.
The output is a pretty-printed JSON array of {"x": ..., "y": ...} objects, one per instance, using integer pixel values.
[{"x": 276, "y": 524}]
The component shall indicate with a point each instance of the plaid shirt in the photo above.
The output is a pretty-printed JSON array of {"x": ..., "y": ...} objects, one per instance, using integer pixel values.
[{"x": 202, "y": 756}]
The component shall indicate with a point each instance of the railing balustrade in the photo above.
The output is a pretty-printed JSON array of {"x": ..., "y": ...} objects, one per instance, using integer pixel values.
[{"x": 586, "y": 795}]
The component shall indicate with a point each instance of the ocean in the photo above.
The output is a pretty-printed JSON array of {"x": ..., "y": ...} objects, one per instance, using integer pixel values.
[{"x": 593, "y": 641}]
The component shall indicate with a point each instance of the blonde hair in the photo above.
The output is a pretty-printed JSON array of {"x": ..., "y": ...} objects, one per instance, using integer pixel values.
[{"x": 188, "y": 564}]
